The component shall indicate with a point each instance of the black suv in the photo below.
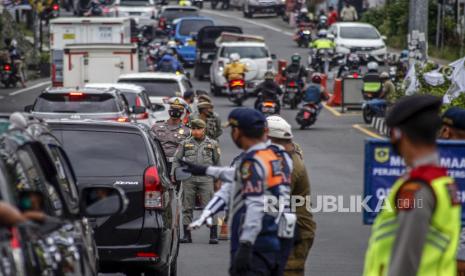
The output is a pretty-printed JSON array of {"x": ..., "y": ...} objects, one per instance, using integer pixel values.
[
  {"x": 145, "y": 237},
  {"x": 44, "y": 182}
]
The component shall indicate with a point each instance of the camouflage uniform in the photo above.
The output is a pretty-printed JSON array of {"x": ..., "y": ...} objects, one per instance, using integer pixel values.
[
  {"x": 170, "y": 136},
  {"x": 205, "y": 152}
]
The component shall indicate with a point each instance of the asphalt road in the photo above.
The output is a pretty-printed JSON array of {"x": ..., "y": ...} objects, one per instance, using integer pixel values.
[{"x": 333, "y": 151}]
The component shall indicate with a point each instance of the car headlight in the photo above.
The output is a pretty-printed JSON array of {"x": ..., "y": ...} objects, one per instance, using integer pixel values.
[{"x": 379, "y": 47}]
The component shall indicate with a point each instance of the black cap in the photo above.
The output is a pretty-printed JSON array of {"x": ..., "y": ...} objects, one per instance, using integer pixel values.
[
  {"x": 454, "y": 117},
  {"x": 244, "y": 117},
  {"x": 407, "y": 107}
]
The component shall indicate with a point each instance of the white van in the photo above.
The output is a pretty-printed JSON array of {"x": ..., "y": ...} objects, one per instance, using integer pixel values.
[
  {"x": 91, "y": 63},
  {"x": 84, "y": 30}
]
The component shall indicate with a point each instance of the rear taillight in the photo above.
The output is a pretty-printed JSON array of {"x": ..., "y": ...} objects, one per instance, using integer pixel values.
[
  {"x": 7, "y": 67},
  {"x": 355, "y": 75},
  {"x": 153, "y": 190},
  {"x": 292, "y": 84},
  {"x": 162, "y": 23},
  {"x": 15, "y": 242},
  {"x": 146, "y": 255},
  {"x": 237, "y": 83},
  {"x": 142, "y": 116},
  {"x": 134, "y": 39},
  {"x": 56, "y": 7},
  {"x": 122, "y": 119}
]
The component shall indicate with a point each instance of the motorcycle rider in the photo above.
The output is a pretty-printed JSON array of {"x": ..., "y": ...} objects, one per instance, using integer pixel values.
[
  {"x": 323, "y": 42},
  {"x": 388, "y": 87},
  {"x": 295, "y": 68},
  {"x": 169, "y": 63},
  {"x": 314, "y": 92},
  {"x": 268, "y": 90},
  {"x": 95, "y": 8},
  {"x": 303, "y": 16},
  {"x": 16, "y": 59},
  {"x": 372, "y": 84},
  {"x": 235, "y": 70}
]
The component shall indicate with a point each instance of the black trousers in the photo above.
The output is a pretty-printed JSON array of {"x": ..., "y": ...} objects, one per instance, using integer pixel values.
[{"x": 262, "y": 264}]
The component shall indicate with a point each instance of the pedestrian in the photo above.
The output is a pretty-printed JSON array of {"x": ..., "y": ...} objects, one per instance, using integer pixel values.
[
  {"x": 332, "y": 16},
  {"x": 212, "y": 119},
  {"x": 453, "y": 128},
  {"x": 172, "y": 132},
  {"x": 348, "y": 12},
  {"x": 200, "y": 150},
  {"x": 417, "y": 230},
  {"x": 280, "y": 133},
  {"x": 255, "y": 244}
]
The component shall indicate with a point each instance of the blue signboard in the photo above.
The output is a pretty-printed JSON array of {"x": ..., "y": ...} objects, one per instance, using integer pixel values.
[{"x": 383, "y": 167}]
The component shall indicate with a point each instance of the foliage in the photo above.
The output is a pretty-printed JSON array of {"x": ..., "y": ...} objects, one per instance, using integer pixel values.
[{"x": 44, "y": 57}]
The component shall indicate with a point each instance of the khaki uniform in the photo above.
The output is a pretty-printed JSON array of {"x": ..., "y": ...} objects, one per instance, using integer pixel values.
[
  {"x": 206, "y": 152},
  {"x": 213, "y": 129},
  {"x": 170, "y": 136},
  {"x": 300, "y": 186}
]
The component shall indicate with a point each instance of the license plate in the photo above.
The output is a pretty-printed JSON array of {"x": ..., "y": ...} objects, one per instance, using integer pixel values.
[
  {"x": 135, "y": 13},
  {"x": 69, "y": 36},
  {"x": 292, "y": 90},
  {"x": 191, "y": 43},
  {"x": 236, "y": 91}
]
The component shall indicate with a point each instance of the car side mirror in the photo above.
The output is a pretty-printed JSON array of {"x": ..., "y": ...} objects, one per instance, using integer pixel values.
[
  {"x": 137, "y": 110},
  {"x": 28, "y": 108},
  {"x": 102, "y": 201},
  {"x": 181, "y": 175},
  {"x": 273, "y": 56}
]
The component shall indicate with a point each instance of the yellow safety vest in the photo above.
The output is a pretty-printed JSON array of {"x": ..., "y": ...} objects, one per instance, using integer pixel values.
[
  {"x": 439, "y": 251},
  {"x": 323, "y": 44}
]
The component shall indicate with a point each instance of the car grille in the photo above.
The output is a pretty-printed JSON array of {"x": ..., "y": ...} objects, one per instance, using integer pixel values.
[{"x": 363, "y": 48}]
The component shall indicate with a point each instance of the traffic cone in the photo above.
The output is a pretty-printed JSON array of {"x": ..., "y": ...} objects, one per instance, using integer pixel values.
[
  {"x": 336, "y": 98},
  {"x": 224, "y": 235}
]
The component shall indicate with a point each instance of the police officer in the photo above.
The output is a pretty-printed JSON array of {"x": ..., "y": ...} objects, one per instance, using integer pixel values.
[
  {"x": 453, "y": 124},
  {"x": 201, "y": 150},
  {"x": 323, "y": 42},
  {"x": 372, "y": 84},
  {"x": 211, "y": 119},
  {"x": 255, "y": 245},
  {"x": 280, "y": 133},
  {"x": 417, "y": 231},
  {"x": 172, "y": 132}
]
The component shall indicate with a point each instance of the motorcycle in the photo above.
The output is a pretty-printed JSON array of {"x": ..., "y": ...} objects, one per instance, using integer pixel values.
[
  {"x": 269, "y": 108},
  {"x": 9, "y": 77},
  {"x": 303, "y": 36},
  {"x": 237, "y": 91},
  {"x": 323, "y": 60},
  {"x": 373, "y": 108},
  {"x": 307, "y": 115},
  {"x": 292, "y": 93},
  {"x": 351, "y": 66},
  {"x": 322, "y": 22}
]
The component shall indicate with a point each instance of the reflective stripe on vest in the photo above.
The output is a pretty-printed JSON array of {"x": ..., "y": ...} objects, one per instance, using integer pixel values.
[
  {"x": 371, "y": 87},
  {"x": 439, "y": 252}
]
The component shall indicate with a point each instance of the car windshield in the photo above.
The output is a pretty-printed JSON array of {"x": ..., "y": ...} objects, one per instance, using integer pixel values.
[
  {"x": 189, "y": 27},
  {"x": 358, "y": 33},
  {"x": 156, "y": 88},
  {"x": 172, "y": 14},
  {"x": 135, "y": 3},
  {"x": 93, "y": 153},
  {"x": 76, "y": 103},
  {"x": 245, "y": 52}
]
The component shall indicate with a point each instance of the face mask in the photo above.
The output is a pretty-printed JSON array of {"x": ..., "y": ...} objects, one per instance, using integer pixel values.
[{"x": 175, "y": 113}]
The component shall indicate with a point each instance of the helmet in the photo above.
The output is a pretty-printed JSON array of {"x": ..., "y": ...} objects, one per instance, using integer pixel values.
[
  {"x": 372, "y": 66},
  {"x": 384, "y": 75},
  {"x": 322, "y": 33},
  {"x": 279, "y": 128},
  {"x": 295, "y": 58},
  {"x": 316, "y": 78},
  {"x": 96, "y": 11},
  {"x": 235, "y": 57},
  {"x": 171, "y": 44},
  {"x": 269, "y": 75},
  {"x": 304, "y": 10}
]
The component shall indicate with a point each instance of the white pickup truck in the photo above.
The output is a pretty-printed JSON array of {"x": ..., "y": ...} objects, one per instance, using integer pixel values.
[{"x": 253, "y": 52}]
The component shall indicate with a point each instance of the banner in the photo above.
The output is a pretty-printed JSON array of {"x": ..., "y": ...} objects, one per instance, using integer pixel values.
[{"x": 383, "y": 167}]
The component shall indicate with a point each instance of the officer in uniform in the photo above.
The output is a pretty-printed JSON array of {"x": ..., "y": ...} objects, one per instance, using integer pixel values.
[
  {"x": 211, "y": 119},
  {"x": 453, "y": 124},
  {"x": 417, "y": 230},
  {"x": 172, "y": 132},
  {"x": 200, "y": 150},
  {"x": 255, "y": 244}
]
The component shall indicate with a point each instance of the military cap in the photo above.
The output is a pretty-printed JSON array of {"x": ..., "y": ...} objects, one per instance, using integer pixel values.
[
  {"x": 177, "y": 102},
  {"x": 204, "y": 98},
  {"x": 198, "y": 123},
  {"x": 454, "y": 117},
  {"x": 204, "y": 105},
  {"x": 409, "y": 106},
  {"x": 188, "y": 94},
  {"x": 244, "y": 117}
]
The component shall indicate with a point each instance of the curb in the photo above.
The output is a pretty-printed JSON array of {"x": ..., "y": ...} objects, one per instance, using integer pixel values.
[{"x": 379, "y": 124}]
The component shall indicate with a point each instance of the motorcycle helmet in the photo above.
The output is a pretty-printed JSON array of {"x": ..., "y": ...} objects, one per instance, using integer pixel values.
[
  {"x": 316, "y": 78},
  {"x": 304, "y": 10},
  {"x": 295, "y": 58},
  {"x": 384, "y": 75},
  {"x": 372, "y": 66},
  {"x": 322, "y": 33},
  {"x": 279, "y": 128},
  {"x": 97, "y": 11},
  {"x": 269, "y": 75},
  {"x": 235, "y": 57}
]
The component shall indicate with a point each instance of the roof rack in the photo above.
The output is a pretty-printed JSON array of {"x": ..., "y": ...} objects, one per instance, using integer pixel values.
[{"x": 233, "y": 37}]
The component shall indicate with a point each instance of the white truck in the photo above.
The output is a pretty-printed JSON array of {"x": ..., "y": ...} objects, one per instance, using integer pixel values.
[
  {"x": 98, "y": 63},
  {"x": 84, "y": 30}
]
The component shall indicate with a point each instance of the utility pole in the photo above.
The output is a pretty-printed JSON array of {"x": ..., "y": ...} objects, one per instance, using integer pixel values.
[{"x": 418, "y": 30}]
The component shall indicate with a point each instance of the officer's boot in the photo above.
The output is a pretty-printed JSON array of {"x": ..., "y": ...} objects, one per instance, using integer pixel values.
[
  {"x": 187, "y": 236},
  {"x": 214, "y": 234}
]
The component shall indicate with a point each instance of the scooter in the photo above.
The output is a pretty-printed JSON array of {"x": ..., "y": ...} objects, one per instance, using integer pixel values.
[
  {"x": 373, "y": 108},
  {"x": 237, "y": 91},
  {"x": 292, "y": 93},
  {"x": 307, "y": 115},
  {"x": 9, "y": 77}
]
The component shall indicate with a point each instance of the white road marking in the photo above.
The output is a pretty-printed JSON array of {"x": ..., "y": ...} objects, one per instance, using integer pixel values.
[
  {"x": 29, "y": 88},
  {"x": 251, "y": 22}
]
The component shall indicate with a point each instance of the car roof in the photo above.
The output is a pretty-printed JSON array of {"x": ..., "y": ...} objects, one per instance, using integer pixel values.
[
  {"x": 194, "y": 18},
  {"x": 61, "y": 90},
  {"x": 353, "y": 24},
  {"x": 123, "y": 87},
  {"x": 152, "y": 75},
  {"x": 179, "y": 8},
  {"x": 256, "y": 44}
]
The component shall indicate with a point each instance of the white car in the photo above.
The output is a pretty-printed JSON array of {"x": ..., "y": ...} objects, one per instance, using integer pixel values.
[
  {"x": 143, "y": 12},
  {"x": 136, "y": 96},
  {"x": 255, "y": 55},
  {"x": 361, "y": 37}
]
